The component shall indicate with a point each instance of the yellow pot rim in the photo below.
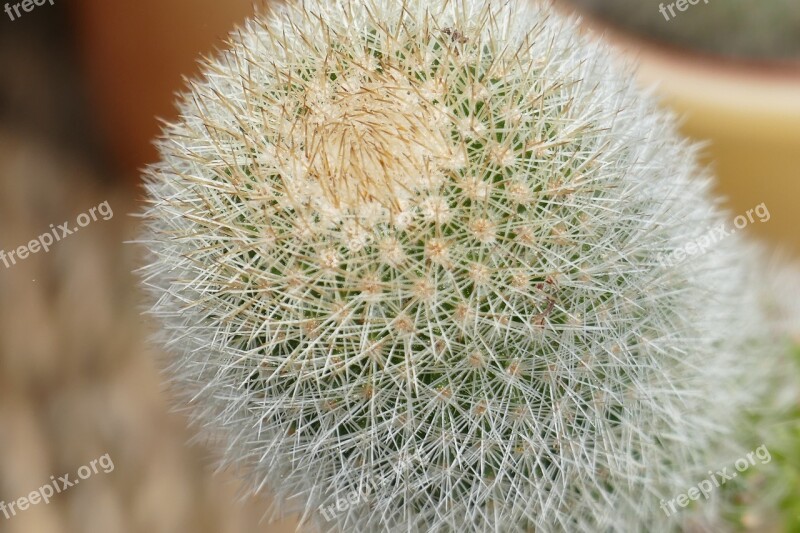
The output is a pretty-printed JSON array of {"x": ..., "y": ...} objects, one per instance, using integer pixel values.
[{"x": 732, "y": 98}]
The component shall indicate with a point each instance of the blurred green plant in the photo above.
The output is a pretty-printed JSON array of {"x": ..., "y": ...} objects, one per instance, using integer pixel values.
[
  {"x": 766, "y": 498},
  {"x": 785, "y": 472}
]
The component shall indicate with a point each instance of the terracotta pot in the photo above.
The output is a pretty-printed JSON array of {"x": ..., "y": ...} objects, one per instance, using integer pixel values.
[
  {"x": 749, "y": 115},
  {"x": 135, "y": 54}
]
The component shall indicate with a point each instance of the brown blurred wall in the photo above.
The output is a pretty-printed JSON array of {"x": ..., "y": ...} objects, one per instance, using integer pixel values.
[{"x": 135, "y": 54}]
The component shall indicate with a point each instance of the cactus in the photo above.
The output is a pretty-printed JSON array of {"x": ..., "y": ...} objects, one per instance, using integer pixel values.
[
  {"x": 406, "y": 260},
  {"x": 769, "y": 29}
]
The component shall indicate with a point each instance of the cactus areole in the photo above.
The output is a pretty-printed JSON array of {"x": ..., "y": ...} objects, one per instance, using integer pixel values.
[{"x": 409, "y": 249}]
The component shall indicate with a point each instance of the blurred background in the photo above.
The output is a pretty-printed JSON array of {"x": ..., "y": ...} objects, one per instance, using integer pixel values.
[{"x": 82, "y": 86}]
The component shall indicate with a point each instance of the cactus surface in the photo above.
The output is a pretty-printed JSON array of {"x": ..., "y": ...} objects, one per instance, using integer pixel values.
[{"x": 410, "y": 251}]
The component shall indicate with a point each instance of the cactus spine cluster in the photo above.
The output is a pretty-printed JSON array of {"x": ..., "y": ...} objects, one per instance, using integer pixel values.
[{"x": 409, "y": 249}]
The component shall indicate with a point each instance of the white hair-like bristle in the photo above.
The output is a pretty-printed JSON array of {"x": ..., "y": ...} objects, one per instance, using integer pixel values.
[{"x": 411, "y": 249}]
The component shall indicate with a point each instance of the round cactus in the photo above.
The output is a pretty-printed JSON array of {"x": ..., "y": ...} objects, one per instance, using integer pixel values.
[{"x": 412, "y": 260}]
